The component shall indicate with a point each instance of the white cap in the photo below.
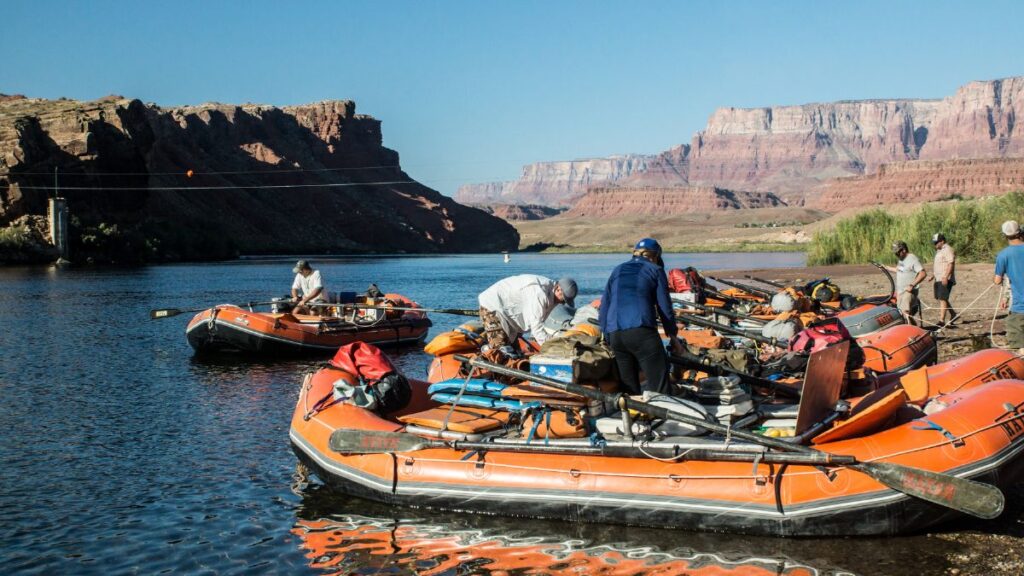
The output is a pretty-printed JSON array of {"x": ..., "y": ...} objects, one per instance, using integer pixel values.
[{"x": 1011, "y": 228}]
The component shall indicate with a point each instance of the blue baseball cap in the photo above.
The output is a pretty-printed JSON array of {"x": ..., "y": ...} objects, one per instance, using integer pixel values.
[{"x": 648, "y": 244}]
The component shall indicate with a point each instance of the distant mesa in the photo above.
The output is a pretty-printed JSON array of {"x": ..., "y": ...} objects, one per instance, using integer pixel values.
[
  {"x": 554, "y": 184},
  {"x": 654, "y": 201},
  {"x": 211, "y": 181},
  {"x": 796, "y": 152},
  {"x": 520, "y": 212}
]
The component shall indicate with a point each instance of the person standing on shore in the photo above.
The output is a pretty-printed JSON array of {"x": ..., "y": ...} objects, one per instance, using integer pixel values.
[
  {"x": 909, "y": 276},
  {"x": 1010, "y": 264},
  {"x": 635, "y": 296},
  {"x": 944, "y": 276}
]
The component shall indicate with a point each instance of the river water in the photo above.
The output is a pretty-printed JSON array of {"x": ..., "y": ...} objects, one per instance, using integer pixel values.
[{"x": 123, "y": 453}]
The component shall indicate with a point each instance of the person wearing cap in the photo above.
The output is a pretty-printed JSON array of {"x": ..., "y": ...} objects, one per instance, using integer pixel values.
[
  {"x": 519, "y": 304},
  {"x": 634, "y": 298},
  {"x": 909, "y": 276},
  {"x": 1010, "y": 265},
  {"x": 944, "y": 277},
  {"x": 307, "y": 287}
]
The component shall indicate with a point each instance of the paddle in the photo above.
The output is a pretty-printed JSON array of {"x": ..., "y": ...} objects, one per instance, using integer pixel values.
[
  {"x": 959, "y": 494},
  {"x": 768, "y": 282},
  {"x": 356, "y": 441},
  {"x": 172, "y": 312}
]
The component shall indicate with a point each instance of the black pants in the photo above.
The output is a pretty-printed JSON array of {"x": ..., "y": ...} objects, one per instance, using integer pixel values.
[{"x": 636, "y": 349}]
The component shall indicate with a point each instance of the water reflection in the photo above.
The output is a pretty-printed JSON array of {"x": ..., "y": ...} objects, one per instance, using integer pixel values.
[{"x": 433, "y": 544}]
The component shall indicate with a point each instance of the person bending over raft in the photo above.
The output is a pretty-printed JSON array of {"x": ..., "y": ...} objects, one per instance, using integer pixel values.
[
  {"x": 307, "y": 287},
  {"x": 635, "y": 290},
  {"x": 519, "y": 304}
]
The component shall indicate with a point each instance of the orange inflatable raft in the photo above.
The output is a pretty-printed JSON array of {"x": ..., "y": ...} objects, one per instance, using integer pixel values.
[
  {"x": 976, "y": 432},
  {"x": 234, "y": 329}
]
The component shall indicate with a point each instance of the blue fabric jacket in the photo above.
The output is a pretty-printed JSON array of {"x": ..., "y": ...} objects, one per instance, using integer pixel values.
[{"x": 635, "y": 290}]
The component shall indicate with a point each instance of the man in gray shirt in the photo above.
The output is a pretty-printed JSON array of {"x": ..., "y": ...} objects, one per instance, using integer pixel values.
[{"x": 909, "y": 275}]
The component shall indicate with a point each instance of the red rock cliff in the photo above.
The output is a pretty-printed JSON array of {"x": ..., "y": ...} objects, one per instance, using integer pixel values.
[
  {"x": 923, "y": 181},
  {"x": 605, "y": 202},
  {"x": 297, "y": 179}
]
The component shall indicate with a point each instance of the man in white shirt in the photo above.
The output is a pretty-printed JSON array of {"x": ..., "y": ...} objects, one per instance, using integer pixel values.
[
  {"x": 520, "y": 304},
  {"x": 307, "y": 287}
]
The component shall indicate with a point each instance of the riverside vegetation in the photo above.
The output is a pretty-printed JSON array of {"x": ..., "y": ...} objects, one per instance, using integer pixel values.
[{"x": 970, "y": 226}]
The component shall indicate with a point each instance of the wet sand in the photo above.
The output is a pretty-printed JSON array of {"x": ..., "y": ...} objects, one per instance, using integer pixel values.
[{"x": 976, "y": 547}]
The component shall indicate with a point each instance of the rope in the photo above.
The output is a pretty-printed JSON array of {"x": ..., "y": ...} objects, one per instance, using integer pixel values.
[
  {"x": 992, "y": 326},
  {"x": 458, "y": 397},
  {"x": 260, "y": 187},
  {"x": 970, "y": 306}
]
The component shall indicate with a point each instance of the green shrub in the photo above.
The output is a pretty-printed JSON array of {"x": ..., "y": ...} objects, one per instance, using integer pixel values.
[
  {"x": 970, "y": 226},
  {"x": 16, "y": 237}
]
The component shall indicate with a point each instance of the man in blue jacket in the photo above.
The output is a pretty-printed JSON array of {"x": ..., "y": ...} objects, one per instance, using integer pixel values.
[{"x": 634, "y": 298}]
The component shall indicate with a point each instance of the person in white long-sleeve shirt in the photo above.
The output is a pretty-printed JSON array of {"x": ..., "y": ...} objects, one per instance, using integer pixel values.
[
  {"x": 307, "y": 287},
  {"x": 520, "y": 304}
]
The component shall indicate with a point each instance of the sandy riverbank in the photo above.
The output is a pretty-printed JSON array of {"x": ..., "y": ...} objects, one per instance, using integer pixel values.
[
  {"x": 975, "y": 547},
  {"x": 973, "y": 297}
]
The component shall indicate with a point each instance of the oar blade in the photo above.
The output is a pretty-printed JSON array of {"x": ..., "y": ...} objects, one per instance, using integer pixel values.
[
  {"x": 967, "y": 496},
  {"x": 348, "y": 441},
  {"x": 163, "y": 313}
]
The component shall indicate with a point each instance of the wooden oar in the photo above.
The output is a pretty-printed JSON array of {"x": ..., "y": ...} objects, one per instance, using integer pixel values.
[
  {"x": 967, "y": 496},
  {"x": 355, "y": 441},
  {"x": 172, "y": 312}
]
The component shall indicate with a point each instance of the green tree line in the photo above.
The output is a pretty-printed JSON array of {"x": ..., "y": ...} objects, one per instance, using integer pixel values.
[{"x": 970, "y": 226}]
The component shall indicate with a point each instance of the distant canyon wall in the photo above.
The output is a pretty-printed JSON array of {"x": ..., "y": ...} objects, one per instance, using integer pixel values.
[
  {"x": 610, "y": 202},
  {"x": 215, "y": 180},
  {"x": 555, "y": 184},
  {"x": 791, "y": 151}
]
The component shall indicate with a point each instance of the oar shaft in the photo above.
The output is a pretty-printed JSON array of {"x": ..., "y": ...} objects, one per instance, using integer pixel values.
[
  {"x": 683, "y": 358},
  {"x": 749, "y": 289},
  {"x": 715, "y": 310},
  {"x": 642, "y": 407},
  {"x": 768, "y": 282},
  {"x": 696, "y": 320}
]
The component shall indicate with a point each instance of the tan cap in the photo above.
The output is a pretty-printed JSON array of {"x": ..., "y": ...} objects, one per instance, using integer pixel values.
[{"x": 1011, "y": 228}]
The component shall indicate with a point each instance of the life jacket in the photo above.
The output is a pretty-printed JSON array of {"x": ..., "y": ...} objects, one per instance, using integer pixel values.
[
  {"x": 374, "y": 382},
  {"x": 687, "y": 280},
  {"x": 465, "y": 338},
  {"x": 819, "y": 335}
]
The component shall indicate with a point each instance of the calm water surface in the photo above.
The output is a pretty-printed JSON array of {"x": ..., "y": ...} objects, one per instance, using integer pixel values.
[{"x": 121, "y": 452}]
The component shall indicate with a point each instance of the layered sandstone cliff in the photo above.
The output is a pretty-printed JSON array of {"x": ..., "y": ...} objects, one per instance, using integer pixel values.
[
  {"x": 923, "y": 181},
  {"x": 610, "y": 202},
  {"x": 520, "y": 212},
  {"x": 791, "y": 150},
  {"x": 554, "y": 184},
  {"x": 215, "y": 180}
]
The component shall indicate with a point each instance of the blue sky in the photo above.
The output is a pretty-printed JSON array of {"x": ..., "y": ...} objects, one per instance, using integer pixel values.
[{"x": 468, "y": 91}]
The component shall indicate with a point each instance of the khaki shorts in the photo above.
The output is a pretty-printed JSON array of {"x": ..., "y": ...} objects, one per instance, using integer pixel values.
[
  {"x": 493, "y": 329},
  {"x": 908, "y": 303},
  {"x": 1015, "y": 330}
]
